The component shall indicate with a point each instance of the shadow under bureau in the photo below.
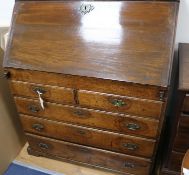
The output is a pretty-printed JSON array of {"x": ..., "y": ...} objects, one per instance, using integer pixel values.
[{"x": 90, "y": 79}]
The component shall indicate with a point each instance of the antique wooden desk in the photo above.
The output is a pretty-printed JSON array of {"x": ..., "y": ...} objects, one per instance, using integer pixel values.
[{"x": 90, "y": 79}]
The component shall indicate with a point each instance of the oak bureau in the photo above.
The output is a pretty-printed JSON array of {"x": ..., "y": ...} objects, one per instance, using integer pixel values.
[{"x": 90, "y": 79}]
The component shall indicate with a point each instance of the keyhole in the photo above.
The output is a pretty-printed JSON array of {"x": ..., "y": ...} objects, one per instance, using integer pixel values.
[{"x": 85, "y": 7}]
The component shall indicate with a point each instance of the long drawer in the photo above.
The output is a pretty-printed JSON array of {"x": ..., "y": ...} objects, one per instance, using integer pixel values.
[
  {"x": 184, "y": 122},
  {"x": 92, "y": 84},
  {"x": 120, "y": 104},
  {"x": 48, "y": 93},
  {"x": 93, "y": 118},
  {"x": 90, "y": 137},
  {"x": 181, "y": 141},
  {"x": 175, "y": 161},
  {"x": 186, "y": 104},
  {"x": 90, "y": 156}
]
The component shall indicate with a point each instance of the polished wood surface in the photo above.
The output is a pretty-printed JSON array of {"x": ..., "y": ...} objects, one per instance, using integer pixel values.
[
  {"x": 135, "y": 45},
  {"x": 90, "y": 156},
  {"x": 109, "y": 102},
  {"x": 92, "y": 84},
  {"x": 183, "y": 68},
  {"x": 90, "y": 137},
  {"x": 49, "y": 93},
  {"x": 92, "y": 118}
]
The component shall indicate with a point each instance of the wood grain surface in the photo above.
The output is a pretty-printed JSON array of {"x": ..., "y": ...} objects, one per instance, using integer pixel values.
[
  {"x": 90, "y": 137},
  {"x": 108, "y": 102},
  {"x": 92, "y": 84},
  {"x": 57, "y": 166},
  {"x": 135, "y": 45},
  {"x": 92, "y": 118},
  {"x": 89, "y": 156},
  {"x": 49, "y": 93}
]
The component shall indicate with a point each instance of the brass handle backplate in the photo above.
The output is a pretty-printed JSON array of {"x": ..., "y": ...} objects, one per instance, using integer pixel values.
[
  {"x": 33, "y": 108},
  {"x": 133, "y": 126},
  {"x": 38, "y": 127},
  {"x": 118, "y": 103},
  {"x": 161, "y": 95},
  {"x": 130, "y": 146},
  {"x": 129, "y": 165},
  {"x": 81, "y": 132},
  {"x": 43, "y": 146},
  {"x": 79, "y": 112}
]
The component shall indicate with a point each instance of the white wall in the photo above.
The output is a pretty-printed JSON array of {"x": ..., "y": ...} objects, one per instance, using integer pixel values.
[
  {"x": 6, "y": 7},
  {"x": 183, "y": 22}
]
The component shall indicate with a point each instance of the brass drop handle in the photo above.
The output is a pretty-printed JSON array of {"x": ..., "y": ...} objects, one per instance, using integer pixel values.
[
  {"x": 33, "y": 108},
  {"x": 129, "y": 165},
  {"x": 130, "y": 146},
  {"x": 118, "y": 103},
  {"x": 133, "y": 126},
  {"x": 78, "y": 112},
  {"x": 43, "y": 146},
  {"x": 81, "y": 132},
  {"x": 40, "y": 91},
  {"x": 38, "y": 127}
]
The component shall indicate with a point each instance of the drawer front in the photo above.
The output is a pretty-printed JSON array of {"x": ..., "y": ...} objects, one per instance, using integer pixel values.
[
  {"x": 184, "y": 123},
  {"x": 176, "y": 161},
  {"x": 49, "y": 93},
  {"x": 85, "y": 83},
  {"x": 186, "y": 104},
  {"x": 181, "y": 142},
  {"x": 90, "y": 137},
  {"x": 120, "y": 104},
  {"x": 93, "y": 118},
  {"x": 91, "y": 156}
]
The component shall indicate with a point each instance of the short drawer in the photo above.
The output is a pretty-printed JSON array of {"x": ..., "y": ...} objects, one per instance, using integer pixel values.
[
  {"x": 185, "y": 107},
  {"x": 175, "y": 161},
  {"x": 87, "y": 117},
  {"x": 90, "y": 137},
  {"x": 90, "y": 156},
  {"x": 48, "y": 93},
  {"x": 120, "y": 104}
]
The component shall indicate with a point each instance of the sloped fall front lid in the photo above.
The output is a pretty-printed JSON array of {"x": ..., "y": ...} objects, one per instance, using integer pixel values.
[{"x": 128, "y": 41}]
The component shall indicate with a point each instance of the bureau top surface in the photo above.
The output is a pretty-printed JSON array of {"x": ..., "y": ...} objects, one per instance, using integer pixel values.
[
  {"x": 128, "y": 41},
  {"x": 184, "y": 66}
]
